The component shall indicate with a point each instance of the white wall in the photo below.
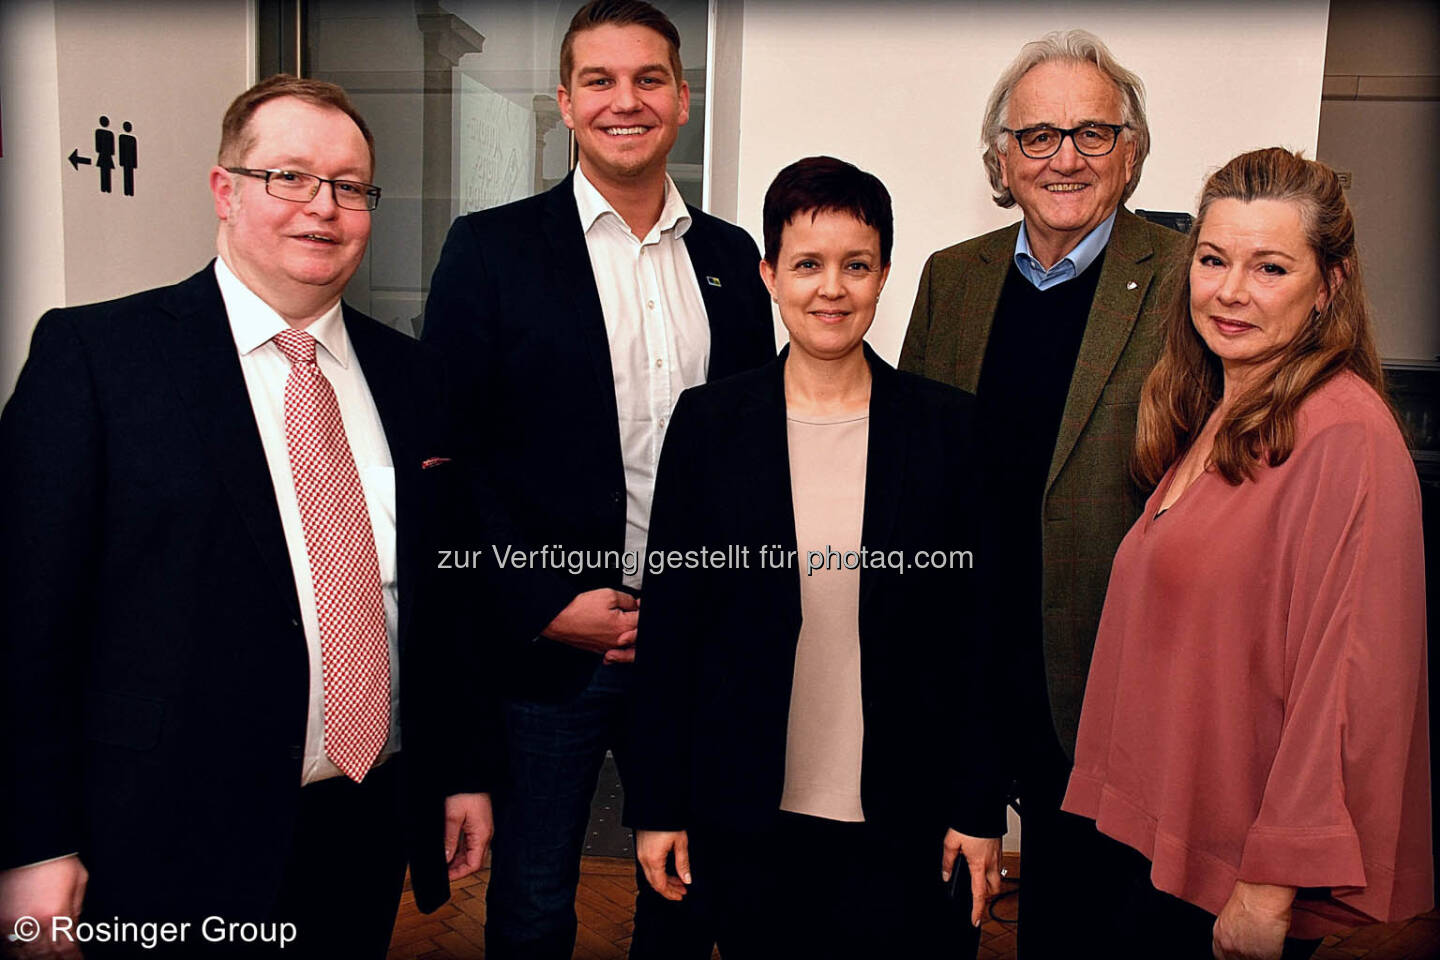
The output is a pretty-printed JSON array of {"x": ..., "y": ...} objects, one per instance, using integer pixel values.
[
  {"x": 65, "y": 63},
  {"x": 32, "y": 246},
  {"x": 171, "y": 77},
  {"x": 899, "y": 90}
]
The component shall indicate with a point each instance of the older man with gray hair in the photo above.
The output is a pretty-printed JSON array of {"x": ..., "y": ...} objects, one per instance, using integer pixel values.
[{"x": 1053, "y": 323}]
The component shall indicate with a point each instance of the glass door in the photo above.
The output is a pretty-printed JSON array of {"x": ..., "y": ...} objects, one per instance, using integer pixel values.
[{"x": 460, "y": 96}]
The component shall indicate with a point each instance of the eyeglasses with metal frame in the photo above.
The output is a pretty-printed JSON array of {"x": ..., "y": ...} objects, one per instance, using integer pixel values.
[
  {"x": 1043, "y": 141},
  {"x": 302, "y": 187}
]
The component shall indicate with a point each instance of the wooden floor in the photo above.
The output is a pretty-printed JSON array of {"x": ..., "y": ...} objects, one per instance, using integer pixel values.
[{"x": 606, "y": 901}]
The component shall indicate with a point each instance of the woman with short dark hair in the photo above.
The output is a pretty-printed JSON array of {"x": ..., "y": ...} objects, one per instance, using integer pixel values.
[{"x": 803, "y": 713}]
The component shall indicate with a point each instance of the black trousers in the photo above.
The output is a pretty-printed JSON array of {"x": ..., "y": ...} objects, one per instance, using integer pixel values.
[
  {"x": 1065, "y": 862},
  {"x": 1083, "y": 894},
  {"x": 347, "y": 867},
  {"x": 1139, "y": 921},
  {"x": 808, "y": 887}
]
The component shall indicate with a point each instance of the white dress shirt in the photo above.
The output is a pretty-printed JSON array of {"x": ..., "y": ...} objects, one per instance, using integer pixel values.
[
  {"x": 658, "y": 331},
  {"x": 253, "y": 323}
]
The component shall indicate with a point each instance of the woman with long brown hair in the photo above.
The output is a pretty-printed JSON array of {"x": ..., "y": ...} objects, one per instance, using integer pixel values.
[{"x": 1255, "y": 722}]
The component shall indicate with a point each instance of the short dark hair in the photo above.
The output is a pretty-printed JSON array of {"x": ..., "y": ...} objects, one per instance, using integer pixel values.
[
  {"x": 235, "y": 136},
  {"x": 618, "y": 13},
  {"x": 825, "y": 184}
]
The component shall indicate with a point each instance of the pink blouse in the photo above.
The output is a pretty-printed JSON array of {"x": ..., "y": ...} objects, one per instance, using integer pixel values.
[{"x": 1257, "y": 705}]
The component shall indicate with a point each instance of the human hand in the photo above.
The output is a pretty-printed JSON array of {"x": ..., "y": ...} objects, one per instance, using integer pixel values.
[
  {"x": 652, "y": 849},
  {"x": 469, "y": 825},
  {"x": 1253, "y": 923},
  {"x": 39, "y": 893},
  {"x": 600, "y": 621},
  {"x": 982, "y": 857}
]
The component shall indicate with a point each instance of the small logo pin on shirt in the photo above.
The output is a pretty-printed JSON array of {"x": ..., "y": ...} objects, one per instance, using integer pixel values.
[
  {"x": 713, "y": 281},
  {"x": 1131, "y": 285}
]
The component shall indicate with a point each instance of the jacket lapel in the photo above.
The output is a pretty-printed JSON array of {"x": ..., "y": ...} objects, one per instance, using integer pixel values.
[
  {"x": 980, "y": 299},
  {"x": 766, "y": 478},
  {"x": 719, "y": 288},
  {"x": 884, "y": 463},
  {"x": 1125, "y": 278},
  {"x": 394, "y": 398},
  {"x": 573, "y": 274},
  {"x": 200, "y": 355}
]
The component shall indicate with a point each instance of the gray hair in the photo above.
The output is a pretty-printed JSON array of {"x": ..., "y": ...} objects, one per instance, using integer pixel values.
[{"x": 1074, "y": 46}]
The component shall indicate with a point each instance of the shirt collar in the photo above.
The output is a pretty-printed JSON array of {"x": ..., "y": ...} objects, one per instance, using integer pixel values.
[
  {"x": 674, "y": 215},
  {"x": 1071, "y": 265},
  {"x": 254, "y": 323}
]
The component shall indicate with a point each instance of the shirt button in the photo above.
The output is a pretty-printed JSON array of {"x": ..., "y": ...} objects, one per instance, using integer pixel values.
[
  {"x": 650, "y": 304},
  {"x": 662, "y": 423},
  {"x": 659, "y": 362}
]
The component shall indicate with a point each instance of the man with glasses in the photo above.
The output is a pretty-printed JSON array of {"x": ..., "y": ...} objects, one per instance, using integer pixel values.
[
  {"x": 1053, "y": 324},
  {"x": 223, "y": 676}
]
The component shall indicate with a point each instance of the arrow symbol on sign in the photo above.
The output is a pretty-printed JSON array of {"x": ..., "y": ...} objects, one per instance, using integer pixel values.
[{"x": 75, "y": 158}]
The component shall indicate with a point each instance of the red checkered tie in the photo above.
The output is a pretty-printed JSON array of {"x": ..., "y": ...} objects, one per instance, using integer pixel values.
[{"x": 354, "y": 650}]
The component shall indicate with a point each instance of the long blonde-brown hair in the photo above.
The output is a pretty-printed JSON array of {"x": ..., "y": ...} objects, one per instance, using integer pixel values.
[{"x": 1187, "y": 382}]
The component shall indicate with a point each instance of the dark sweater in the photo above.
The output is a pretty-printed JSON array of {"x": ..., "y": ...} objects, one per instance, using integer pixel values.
[{"x": 1029, "y": 360}]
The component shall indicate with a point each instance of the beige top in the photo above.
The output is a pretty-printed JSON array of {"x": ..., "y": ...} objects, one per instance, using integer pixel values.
[{"x": 826, "y": 728}]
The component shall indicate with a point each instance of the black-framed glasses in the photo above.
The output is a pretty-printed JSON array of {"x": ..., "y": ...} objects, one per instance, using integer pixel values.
[
  {"x": 302, "y": 187},
  {"x": 1090, "y": 139}
]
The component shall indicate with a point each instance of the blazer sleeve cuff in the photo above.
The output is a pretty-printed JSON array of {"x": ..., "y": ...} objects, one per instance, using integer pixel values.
[
  {"x": 639, "y": 817},
  {"x": 534, "y": 602},
  {"x": 978, "y": 817}
]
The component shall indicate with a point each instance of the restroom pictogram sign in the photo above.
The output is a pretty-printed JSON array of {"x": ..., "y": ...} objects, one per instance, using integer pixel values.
[{"x": 112, "y": 152}]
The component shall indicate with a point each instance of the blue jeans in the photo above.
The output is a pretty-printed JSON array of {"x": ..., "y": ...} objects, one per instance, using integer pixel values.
[{"x": 554, "y": 752}]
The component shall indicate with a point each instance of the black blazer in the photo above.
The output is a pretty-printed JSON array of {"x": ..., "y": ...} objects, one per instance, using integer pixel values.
[
  {"x": 514, "y": 306},
  {"x": 716, "y": 655},
  {"x": 153, "y": 672}
]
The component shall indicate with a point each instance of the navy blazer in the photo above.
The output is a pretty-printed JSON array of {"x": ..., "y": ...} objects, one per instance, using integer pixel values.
[
  {"x": 716, "y": 655},
  {"x": 514, "y": 306},
  {"x": 154, "y": 668}
]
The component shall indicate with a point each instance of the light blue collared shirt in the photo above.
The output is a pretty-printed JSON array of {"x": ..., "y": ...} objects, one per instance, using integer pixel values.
[{"x": 1071, "y": 265}]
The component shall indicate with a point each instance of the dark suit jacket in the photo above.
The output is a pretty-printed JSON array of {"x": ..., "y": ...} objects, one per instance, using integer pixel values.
[
  {"x": 514, "y": 306},
  {"x": 154, "y": 668},
  {"x": 716, "y": 657},
  {"x": 1090, "y": 498}
]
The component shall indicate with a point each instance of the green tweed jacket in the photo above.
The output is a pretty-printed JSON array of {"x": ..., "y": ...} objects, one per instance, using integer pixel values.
[{"x": 1090, "y": 499}]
